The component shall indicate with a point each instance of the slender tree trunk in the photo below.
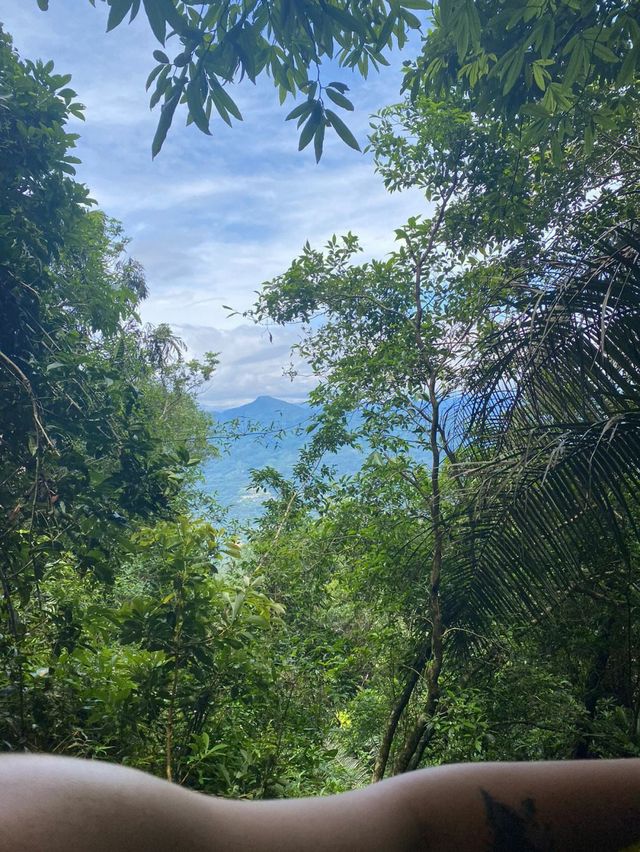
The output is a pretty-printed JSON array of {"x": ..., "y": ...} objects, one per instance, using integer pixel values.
[
  {"x": 419, "y": 731},
  {"x": 13, "y": 622},
  {"x": 434, "y": 643},
  {"x": 177, "y": 637},
  {"x": 170, "y": 724},
  {"x": 423, "y": 742},
  {"x": 594, "y": 689},
  {"x": 415, "y": 672}
]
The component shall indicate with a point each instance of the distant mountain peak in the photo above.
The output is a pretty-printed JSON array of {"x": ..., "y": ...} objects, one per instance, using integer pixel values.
[{"x": 263, "y": 407}]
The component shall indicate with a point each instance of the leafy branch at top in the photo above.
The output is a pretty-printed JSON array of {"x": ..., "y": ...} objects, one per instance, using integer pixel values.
[{"x": 221, "y": 43}]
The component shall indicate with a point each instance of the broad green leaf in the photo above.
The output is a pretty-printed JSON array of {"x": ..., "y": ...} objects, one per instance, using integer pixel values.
[
  {"x": 605, "y": 53},
  {"x": 164, "y": 123},
  {"x": 578, "y": 62},
  {"x": 342, "y": 130},
  {"x": 339, "y": 99},
  {"x": 386, "y": 31},
  {"x": 301, "y": 110},
  {"x": 118, "y": 10},
  {"x": 196, "y": 106},
  {"x": 310, "y": 128},
  {"x": 161, "y": 86},
  {"x": 153, "y": 76},
  {"x": 511, "y": 75},
  {"x": 157, "y": 19},
  {"x": 182, "y": 59},
  {"x": 414, "y": 22},
  {"x": 538, "y": 76},
  {"x": 318, "y": 140},
  {"x": 628, "y": 67},
  {"x": 463, "y": 36},
  {"x": 345, "y": 19},
  {"x": 225, "y": 99},
  {"x": 222, "y": 111},
  {"x": 546, "y": 43},
  {"x": 589, "y": 136}
]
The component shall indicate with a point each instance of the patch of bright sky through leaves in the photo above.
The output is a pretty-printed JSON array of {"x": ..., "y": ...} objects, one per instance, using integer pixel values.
[{"x": 213, "y": 217}]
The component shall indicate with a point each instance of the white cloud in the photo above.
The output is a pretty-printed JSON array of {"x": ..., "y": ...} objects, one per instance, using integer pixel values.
[{"x": 252, "y": 364}]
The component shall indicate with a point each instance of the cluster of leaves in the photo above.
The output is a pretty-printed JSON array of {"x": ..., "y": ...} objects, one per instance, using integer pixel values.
[
  {"x": 349, "y": 567},
  {"x": 220, "y": 43},
  {"x": 561, "y": 68},
  {"x": 473, "y": 593}
]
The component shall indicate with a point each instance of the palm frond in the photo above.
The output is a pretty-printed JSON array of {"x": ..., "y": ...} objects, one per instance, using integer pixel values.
[{"x": 556, "y": 425}]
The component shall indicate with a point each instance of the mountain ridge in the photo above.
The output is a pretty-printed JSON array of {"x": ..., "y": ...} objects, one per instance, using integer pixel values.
[
  {"x": 261, "y": 407},
  {"x": 274, "y": 437}
]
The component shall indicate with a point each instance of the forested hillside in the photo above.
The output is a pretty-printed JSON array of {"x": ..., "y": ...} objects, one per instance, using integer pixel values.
[
  {"x": 266, "y": 432},
  {"x": 472, "y": 592},
  {"x": 270, "y": 432}
]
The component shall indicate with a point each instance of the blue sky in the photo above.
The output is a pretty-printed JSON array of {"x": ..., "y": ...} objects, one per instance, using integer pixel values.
[{"x": 211, "y": 218}]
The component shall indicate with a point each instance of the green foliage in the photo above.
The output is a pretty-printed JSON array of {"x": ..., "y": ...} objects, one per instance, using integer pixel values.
[
  {"x": 101, "y": 436},
  {"x": 222, "y": 43},
  {"x": 559, "y": 70},
  {"x": 472, "y": 594}
]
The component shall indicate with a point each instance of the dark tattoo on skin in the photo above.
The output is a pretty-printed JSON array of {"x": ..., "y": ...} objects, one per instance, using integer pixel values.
[{"x": 516, "y": 830}]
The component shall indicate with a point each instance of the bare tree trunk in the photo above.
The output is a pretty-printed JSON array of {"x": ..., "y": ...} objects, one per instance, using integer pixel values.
[
  {"x": 594, "y": 689},
  {"x": 417, "y": 735},
  {"x": 398, "y": 709},
  {"x": 435, "y": 640},
  {"x": 13, "y": 622},
  {"x": 177, "y": 637},
  {"x": 423, "y": 742}
]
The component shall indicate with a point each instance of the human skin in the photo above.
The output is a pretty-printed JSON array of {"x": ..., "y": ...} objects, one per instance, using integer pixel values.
[{"x": 55, "y": 804}]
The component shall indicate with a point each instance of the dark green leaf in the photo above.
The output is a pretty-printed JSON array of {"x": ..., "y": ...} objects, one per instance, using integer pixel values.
[
  {"x": 301, "y": 110},
  {"x": 196, "y": 106},
  {"x": 161, "y": 86},
  {"x": 318, "y": 141},
  {"x": 166, "y": 117},
  {"x": 605, "y": 53},
  {"x": 118, "y": 10},
  {"x": 339, "y": 99},
  {"x": 225, "y": 99},
  {"x": 513, "y": 73},
  {"x": 157, "y": 19},
  {"x": 628, "y": 67},
  {"x": 153, "y": 76},
  {"x": 414, "y": 22},
  {"x": 222, "y": 111},
  {"x": 309, "y": 129},
  {"x": 345, "y": 19},
  {"x": 385, "y": 32},
  {"x": 342, "y": 130}
]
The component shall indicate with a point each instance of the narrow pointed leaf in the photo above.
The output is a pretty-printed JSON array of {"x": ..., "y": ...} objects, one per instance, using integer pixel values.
[{"x": 342, "y": 130}]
